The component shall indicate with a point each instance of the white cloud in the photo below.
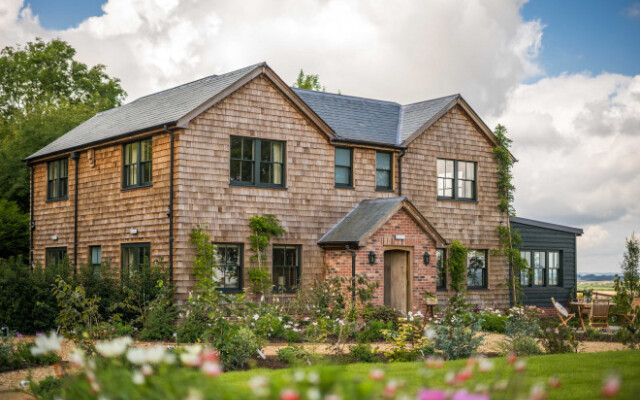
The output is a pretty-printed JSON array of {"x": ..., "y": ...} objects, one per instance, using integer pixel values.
[
  {"x": 594, "y": 235},
  {"x": 633, "y": 11}
]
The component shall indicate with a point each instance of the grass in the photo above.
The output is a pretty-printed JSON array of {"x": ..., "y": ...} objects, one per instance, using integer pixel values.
[
  {"x": 599, "y": 286},
  {"x": 581, "y": 374}
]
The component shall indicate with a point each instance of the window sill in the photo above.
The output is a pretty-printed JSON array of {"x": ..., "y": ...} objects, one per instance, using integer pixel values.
[
  {"x": 343, "y": 187},
  {"x": 285, "y": 291},
  {"x": 459, "y": 200},
  {"x": 441, "y": 289},
  {"x": 230, "y": 291},
  {"x": 250, "y": 185},
  {"x": 477, "y": 288},
  {"x": 57, "y": 199},
  {"x": 128, "y": 188},
  {"x": 384, "y": 190}
]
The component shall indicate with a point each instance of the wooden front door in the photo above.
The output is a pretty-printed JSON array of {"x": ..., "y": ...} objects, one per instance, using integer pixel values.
[{"x": 396, "y": 282}]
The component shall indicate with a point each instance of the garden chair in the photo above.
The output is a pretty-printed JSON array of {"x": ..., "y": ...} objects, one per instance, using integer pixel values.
[
  {"x": 630, "y": 317},
  {"x": 599, "y": 315},
  {"x": 562, "y": 313}
]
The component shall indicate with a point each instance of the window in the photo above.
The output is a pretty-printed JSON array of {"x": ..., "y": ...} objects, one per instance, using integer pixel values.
[
  {"x": 344, "y": 167},
  {"x": 477, "y": 269},
  {"x": 554, "y": 268},
  {"x": 55, "y": 256},
  {"x": 441, "y": 272},
  {"x": 136, "y": 258},
  {"x": 456, "y": 179},
  {"x": 229, "y": 259},
  {"x": 137, "y": 164},
  {"x": 57, "y": 177},
  {"x": 384, "y": 177},
  {"x": 268, "y": 169},
  {"x": 545, "y": 266},
  {"x": 286, "y": 267},
  {"x": 525, "y": 274},
  {"x": 95, "y": 258}
]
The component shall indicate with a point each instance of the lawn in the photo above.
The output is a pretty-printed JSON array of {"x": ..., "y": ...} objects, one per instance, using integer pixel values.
[{"x": 581, "y": 374}]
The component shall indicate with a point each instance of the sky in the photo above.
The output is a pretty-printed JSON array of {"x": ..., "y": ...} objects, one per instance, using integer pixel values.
[{"x": 563, "y": 77}]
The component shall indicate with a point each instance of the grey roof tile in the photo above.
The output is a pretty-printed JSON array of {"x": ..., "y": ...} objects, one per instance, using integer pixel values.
[
  {"x": 546, "y": 225},
  {"x": 415, "y": 115}
]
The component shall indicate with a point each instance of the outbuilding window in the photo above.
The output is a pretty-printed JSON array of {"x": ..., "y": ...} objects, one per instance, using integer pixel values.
[
  {"x": 137, "y": 164},
  {"x": 543, "y": 268},
  {"x": 57, "y": 178}
]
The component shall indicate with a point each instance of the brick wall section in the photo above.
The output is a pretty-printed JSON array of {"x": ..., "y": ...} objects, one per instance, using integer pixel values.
[
  {"x": 455, "y": 136},
  {"x": 106, "y": 213},
  {"x": 338, "y": 261}
]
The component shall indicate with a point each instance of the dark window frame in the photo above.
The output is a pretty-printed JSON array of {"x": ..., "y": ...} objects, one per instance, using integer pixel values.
[
  {"x": 485, "y": 269},
  {"x": 388, "y": 171},
  {"x": 441, "y": 284},
  {"x": 60, "y": 183},
  {"x": 277, "y": 288},
  {"x": 257, "y": 162},
  {"x": 240, "y": 267},
  {"x": 547, "y": 252},
  {"x": 95, "y": 267},
  {"x": 454, "y": 188},
  {"x": 59, "y": 254},
  {"x": 137, "y": 245},
  {"x": 138, "y": 163},
  {"x": 336, "y": 166}
]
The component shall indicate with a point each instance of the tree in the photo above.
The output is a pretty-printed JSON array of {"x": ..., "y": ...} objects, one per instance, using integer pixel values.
[
  {"x": 309, "y": 82},
  {"x": 629, "y": 266},
  {"x": 44, "y": 93},
  {"x": 14, "y": 230}
]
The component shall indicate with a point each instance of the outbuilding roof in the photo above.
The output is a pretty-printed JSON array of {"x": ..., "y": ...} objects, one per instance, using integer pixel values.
[
  {"x": 546, "y": 225},
  {"x": 368, "y": 216}
]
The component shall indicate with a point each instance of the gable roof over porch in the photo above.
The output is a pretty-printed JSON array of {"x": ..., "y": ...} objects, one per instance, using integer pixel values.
[{"x": 366, "y": 218}]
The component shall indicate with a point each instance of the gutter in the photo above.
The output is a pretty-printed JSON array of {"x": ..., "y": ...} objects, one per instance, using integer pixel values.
[
  {"x": 76, "y": 157},
  {"x": 170, "y": 210},
  {"x": 367, "y": 142},
  {"x": 353, "y": 272},
  {"x": 404, "y": 151}
]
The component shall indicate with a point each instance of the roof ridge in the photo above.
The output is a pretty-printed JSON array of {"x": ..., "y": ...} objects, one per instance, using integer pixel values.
[
  {"x": 456, "y": 95},
  {"x": 350, "y": 96}
]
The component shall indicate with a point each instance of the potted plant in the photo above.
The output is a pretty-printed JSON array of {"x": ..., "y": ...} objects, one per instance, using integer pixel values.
[
  {"x": 430, "y": 298},
  {"x": 587, "y": 295}
]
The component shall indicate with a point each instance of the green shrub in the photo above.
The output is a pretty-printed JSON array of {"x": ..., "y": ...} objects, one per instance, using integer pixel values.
[
  {"x": 454, "y": 334},
  {"x": 558, "y": 340},
  {"x": 491, "y": 322},
  {"x": 295, "y": 355},
  {"x": 239, "y": 347},
  {"x": 381, "y": 313},
  {"x": 17, "y": 354},
  {"x": 363, "y": 353},
  {"x": 521, "y": 346},
  {"x": 372, "y": 331},
  {"x": 158, "y": 322}
]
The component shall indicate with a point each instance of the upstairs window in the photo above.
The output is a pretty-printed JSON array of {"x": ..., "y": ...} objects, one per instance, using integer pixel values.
[
  {"x": 257, "y": 162},
  {"x": 344, "y": 167},
  {"x": 55, "y": 256},
  {"x": 384, "y": 177},
  {"x": 441, "y": 271},
  {"x": 57, "y": 177},
  {"x": 137, "y": 164},
  {"x": 136, "y": 259},
  {"x": 477, "y": 269},
  {"x": 229, "y": 260},
  {"x": 456, "y": 180},
  {"x": 286, "y": 267}
]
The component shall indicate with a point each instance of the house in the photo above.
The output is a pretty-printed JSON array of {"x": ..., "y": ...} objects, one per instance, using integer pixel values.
[
  {"x": 550, "y": 251},
  {"x": 360, "y": 185}
]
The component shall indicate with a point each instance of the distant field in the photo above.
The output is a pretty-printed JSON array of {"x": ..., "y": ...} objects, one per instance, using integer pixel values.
[{"x": 600, "y": 286}]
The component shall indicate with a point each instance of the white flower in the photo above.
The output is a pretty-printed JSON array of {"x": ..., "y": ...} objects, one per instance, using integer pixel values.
[
  {"x": 313, "y": 378},
  {"x": 191, "y": 357},
  {"x": 194, "y": 394},
  {"x": 211, "y": 368},
  {"x": 314, "y": 394},
  {"x": 258, "y": 385},
  {"x": 137, "y": 378},
  {"x": 146, "y": 370},
  {"x": 77, "y": 357},
  {"x": 430, "y": 333},
  {"x": 150, "y": 355},
  {"x": 298, "y": 376},
  {"x": 45, "y": 344},
  {"x": 485, "y": 365},
  {"x": 314, "y": 323},
  {"x": 113, "y": 348},
  {"x": 255, "y": 317}
]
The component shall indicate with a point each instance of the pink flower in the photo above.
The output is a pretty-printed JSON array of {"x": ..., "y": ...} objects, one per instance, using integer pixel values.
[
  {"x": 431, "y": 394},
  {"x": 537, "y": 393},
  {"x": 511, "y": 358},
  {"x": 289, "y": 394},
  {"x": 19, "y": 335},
  {"x": 464, "y": 375},
  {"x": 554, "y": 382},
  {"x": 376, "y": 374},
  {"x": 211, "y": 368},
  {"x": 464, "y": 395},
  {"x": 434, "y": 362},
  {"x": 520, "y": 366},
  {"x": 611, "y": 386}
]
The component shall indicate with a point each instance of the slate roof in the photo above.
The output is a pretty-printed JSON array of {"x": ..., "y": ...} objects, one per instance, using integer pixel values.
[
  {"x": 360, "y": 221},
  {"x": 546, "y": 225},
  {"x": 351, "y": 118}
]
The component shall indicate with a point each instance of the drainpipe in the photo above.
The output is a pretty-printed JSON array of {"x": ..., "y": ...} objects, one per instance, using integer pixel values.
[
  {"x": 170, "y": 211},
  {"x": 353, "y": 271},
  {"x": 32, "y": 223},
  {"x": 76, "y": 157},
  {"x": 403, "y": 151}
]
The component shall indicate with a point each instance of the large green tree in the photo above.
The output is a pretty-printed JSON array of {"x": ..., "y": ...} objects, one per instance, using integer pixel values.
[{"x": 44, "y": 93}]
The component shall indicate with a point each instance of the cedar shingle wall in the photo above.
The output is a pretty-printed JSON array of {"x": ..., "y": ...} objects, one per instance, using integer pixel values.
[
  {"x": 454, "y": 136},
  {"x": 106, "y": 213},
  {"x": 307, "y": 208}
]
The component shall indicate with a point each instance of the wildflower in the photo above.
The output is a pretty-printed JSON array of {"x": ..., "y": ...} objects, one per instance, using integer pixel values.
[
  {"x": 313, "y": 378},
  {"x": 258, "y": 384},
  {"x": 19, "y": 335},
  {"x": 113, "y": 348},
  {"x": 146, "y": 370},
  {"x": 46, "y": 344},
  {"x": 211, "y": 369},
  {"x": 430, "y": 333},
  {"x": 298, "y": 376},
  {"x": 464, "y": 395},
  {"x": 314, "y": 394},
  {"x": 485, "y": 365},
  {"x": 137, "y": 378},
  {"x": 464, "y": 375},
  {"x": 537, "y": 392},
  {"x": 314, "y": 323},
  {"x": 289, "y": 394},
  {"x": 256, "y": 317},
  {"x": 431, "y": 394},
  {"x": 150, "y": 355},
  {"x": 511, "y": 358},
  {"x": 332, "y": 397},
  {"x": 611, "y": 386},
  {"x": 77, "y": 357},
  {"x": 501, "y": 385},
  {"x": 194, "y": 394},
  {"x": 450, "y": 378},
  {"x": 520, "y": 365},
  {"x": 376, "y": 374},
  {"x": 434, "y": 362},
  {"x": 554, "y": 382}
]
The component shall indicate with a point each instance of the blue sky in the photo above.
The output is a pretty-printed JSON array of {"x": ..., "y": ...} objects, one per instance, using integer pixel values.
[{"x": 593, "y": 35}]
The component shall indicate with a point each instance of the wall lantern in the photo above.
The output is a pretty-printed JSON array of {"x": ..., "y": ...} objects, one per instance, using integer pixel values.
[
  {"x": 426, "y": 258},
  {"x": 372, "y": 257}
]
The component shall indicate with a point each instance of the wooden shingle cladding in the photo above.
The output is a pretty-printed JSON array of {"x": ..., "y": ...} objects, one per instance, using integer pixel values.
[
  {"x": 106, "y": 211},
  {"x": 308, "y": 206},
  {"x": 542, "y": 239},
  {"x": 456, "y": 136}
]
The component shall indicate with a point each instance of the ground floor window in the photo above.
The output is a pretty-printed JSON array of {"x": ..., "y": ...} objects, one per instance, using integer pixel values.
[
  {"x": 543, "y": 268},
  {"x": 136, "y": 258},
  {"x": 441, "y": 271},
  {"x": 229, "y": 259},
  {"x": 55, "y": 256},
  {"x": 286, "y": 267},
  {"x": 95, "y": 258},
  {"x": 477, "y": 269}
]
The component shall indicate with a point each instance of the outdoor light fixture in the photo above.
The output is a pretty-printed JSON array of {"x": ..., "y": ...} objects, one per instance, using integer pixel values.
[
  {"x": 133, "y": 231},
  {"x": 54, "y": 237},
  {"x": 426, "y": 258},
  {"x": 372, "y": 257}
]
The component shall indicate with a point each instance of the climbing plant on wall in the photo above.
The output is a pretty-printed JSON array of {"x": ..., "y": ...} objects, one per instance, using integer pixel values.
[{"x": 263, "y": 229}]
